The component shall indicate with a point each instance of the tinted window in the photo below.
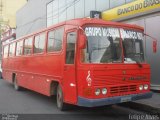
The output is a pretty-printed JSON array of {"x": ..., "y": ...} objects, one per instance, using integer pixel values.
[
  {"x": 12, "y": 49},
  {"x": 19, "y": 48},
  {"x": 50, "y": 41},
  {"x": 39, "y": 43},
  {"x": 5, "y": 51},
  {"x": 28, "y": 46},
  {"x": 70, "y": 51},
  {"x": 58, "y": 38}
]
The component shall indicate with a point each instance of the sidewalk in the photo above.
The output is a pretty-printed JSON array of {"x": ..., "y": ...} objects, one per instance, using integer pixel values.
[{"x": 151, "y": 105}]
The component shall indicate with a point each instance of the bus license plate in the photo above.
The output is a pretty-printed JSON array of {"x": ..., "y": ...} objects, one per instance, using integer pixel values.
[{"x": 125, "y": 99}]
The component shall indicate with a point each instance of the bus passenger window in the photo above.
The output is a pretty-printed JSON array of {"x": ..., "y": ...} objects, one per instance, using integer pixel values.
[
  {"x": 12, "y": 49},
  {"x": 39, "y": 43},
  {"x": 70, "y": 50},
  {"x": 5, "y": 51},
  {"x": 50, "y": 41},
  {"x": 58, "y": 38},
  {"x": 19, "y": 48},
  {"x": 28, "y": 46}
]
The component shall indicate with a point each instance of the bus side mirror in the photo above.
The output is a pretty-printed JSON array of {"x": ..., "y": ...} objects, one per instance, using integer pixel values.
[
  {"x": 82, "y": 41},
  {"x": 154, "y": 46}
]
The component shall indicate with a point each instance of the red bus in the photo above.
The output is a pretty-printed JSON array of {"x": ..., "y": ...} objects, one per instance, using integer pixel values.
[{"x": 85, "y": 62}]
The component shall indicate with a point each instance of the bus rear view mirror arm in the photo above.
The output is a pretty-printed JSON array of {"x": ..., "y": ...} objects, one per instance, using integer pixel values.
[{"x": 154, "y": 43}]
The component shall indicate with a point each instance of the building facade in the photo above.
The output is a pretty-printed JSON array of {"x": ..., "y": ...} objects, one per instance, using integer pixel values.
[
  {"x": 31, "y": 17},
  {"x": 37, "y": 14}
]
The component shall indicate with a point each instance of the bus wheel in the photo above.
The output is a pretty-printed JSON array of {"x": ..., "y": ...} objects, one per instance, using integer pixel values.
[
  {"x": 1, "y": 75},
  {"x": 16, "y": 86},
  {"x": 60, "y": 100}
]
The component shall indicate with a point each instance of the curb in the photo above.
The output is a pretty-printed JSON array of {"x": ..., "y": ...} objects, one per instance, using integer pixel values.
[{"x": 142, "y": 107}]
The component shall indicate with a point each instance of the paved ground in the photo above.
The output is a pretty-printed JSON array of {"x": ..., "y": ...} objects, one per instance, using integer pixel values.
[
  {"x": 152, "y": 102},
  {"x": 27, "y": 102},
  {"x": 151, "y": 105}
]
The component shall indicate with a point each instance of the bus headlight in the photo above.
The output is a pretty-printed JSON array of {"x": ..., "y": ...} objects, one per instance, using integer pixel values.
[
  {"x": 146, "y": 87},
  {"x": 141, "y": 87},
  {"x": 97, "y": 91},
  {"x": 104, "y": 91}
]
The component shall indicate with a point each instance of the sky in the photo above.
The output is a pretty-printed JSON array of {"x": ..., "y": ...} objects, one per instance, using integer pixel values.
[{"x": 10, "y": 8}]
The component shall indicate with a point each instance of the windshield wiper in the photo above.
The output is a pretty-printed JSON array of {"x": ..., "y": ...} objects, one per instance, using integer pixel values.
[
  {"x": 138, "y": 63},
  {"x": 136, "y": 60}
]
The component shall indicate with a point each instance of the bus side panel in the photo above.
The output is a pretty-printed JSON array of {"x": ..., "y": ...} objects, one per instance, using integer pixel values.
[
  {"x": 6, "y": 73},
  {"x": 34, "y": 82},
  {"x": 37, "y": 71}
]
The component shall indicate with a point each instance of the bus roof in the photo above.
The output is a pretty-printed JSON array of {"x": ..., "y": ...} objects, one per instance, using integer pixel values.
[{"x": 84, "y": 21}]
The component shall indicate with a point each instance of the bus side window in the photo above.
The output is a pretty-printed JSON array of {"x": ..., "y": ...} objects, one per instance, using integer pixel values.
[
  {"x": 5, "y": 51},
  {"x": 39, "y": 43},
  {"x": 58, "y": 38},
  {"x": 50, "y": 41},
  {"x": 12, "y": 49},
  {"x": 28, "y": 46},
  {"x": 19, "y": 48}
]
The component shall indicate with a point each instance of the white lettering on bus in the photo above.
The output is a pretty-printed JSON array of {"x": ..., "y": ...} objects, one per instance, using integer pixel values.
[
  {"x": 102, "y": 32},
  {"x": 93, "y": 31},
  {"x": 127, "y": 34},
  {"x": 113, "y": 32}
]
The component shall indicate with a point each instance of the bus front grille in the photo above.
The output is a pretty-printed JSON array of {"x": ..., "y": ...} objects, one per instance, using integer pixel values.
[{"x": 123, "y": 89}]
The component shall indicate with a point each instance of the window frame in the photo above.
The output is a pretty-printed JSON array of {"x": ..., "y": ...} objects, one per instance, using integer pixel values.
[
  {"x": 22, "y": 40},
  {"x": 13, "y": 55},
  {"x": 58, "y": 28},
  {"x": 63, "y": 39},
  {"x": 48, "y": 52},
  {"x": 44, "y": 49},
  {"x": 4, "y": 51},
  {"x": 24, "y": 45}
]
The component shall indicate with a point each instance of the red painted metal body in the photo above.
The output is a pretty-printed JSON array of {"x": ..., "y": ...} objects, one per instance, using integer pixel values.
[{"x": 38, "y": 71}]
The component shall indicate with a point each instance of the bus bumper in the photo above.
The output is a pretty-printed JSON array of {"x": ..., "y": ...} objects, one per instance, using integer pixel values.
[{"x": 113, "y": 100}]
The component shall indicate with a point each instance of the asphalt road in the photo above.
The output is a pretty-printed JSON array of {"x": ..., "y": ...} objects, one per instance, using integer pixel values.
[{"x": 29, "y": 103}]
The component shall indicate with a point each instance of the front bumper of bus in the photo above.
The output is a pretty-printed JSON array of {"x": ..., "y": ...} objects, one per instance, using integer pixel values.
[{"x": 113, "y": 100}]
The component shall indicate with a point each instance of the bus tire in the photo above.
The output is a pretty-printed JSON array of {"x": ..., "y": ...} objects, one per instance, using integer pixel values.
[
  {"x": 60, "y": 99},
  {"x": 16, "y": 86},
  {"x": 1, "y": 75}
]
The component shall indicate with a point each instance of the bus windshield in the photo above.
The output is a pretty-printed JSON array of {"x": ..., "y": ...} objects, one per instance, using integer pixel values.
[
  {"x": 132, "y": 42},
  {"x": 105, "y": 44}
]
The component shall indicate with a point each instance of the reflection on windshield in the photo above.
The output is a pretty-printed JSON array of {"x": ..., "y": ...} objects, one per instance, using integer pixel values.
[
  {"x": 104, "y": 45},
  {"x": 133, "y": 46}
]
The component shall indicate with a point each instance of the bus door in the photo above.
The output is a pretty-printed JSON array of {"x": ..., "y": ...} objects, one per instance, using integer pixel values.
[{"x": 69, "y": 83}]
